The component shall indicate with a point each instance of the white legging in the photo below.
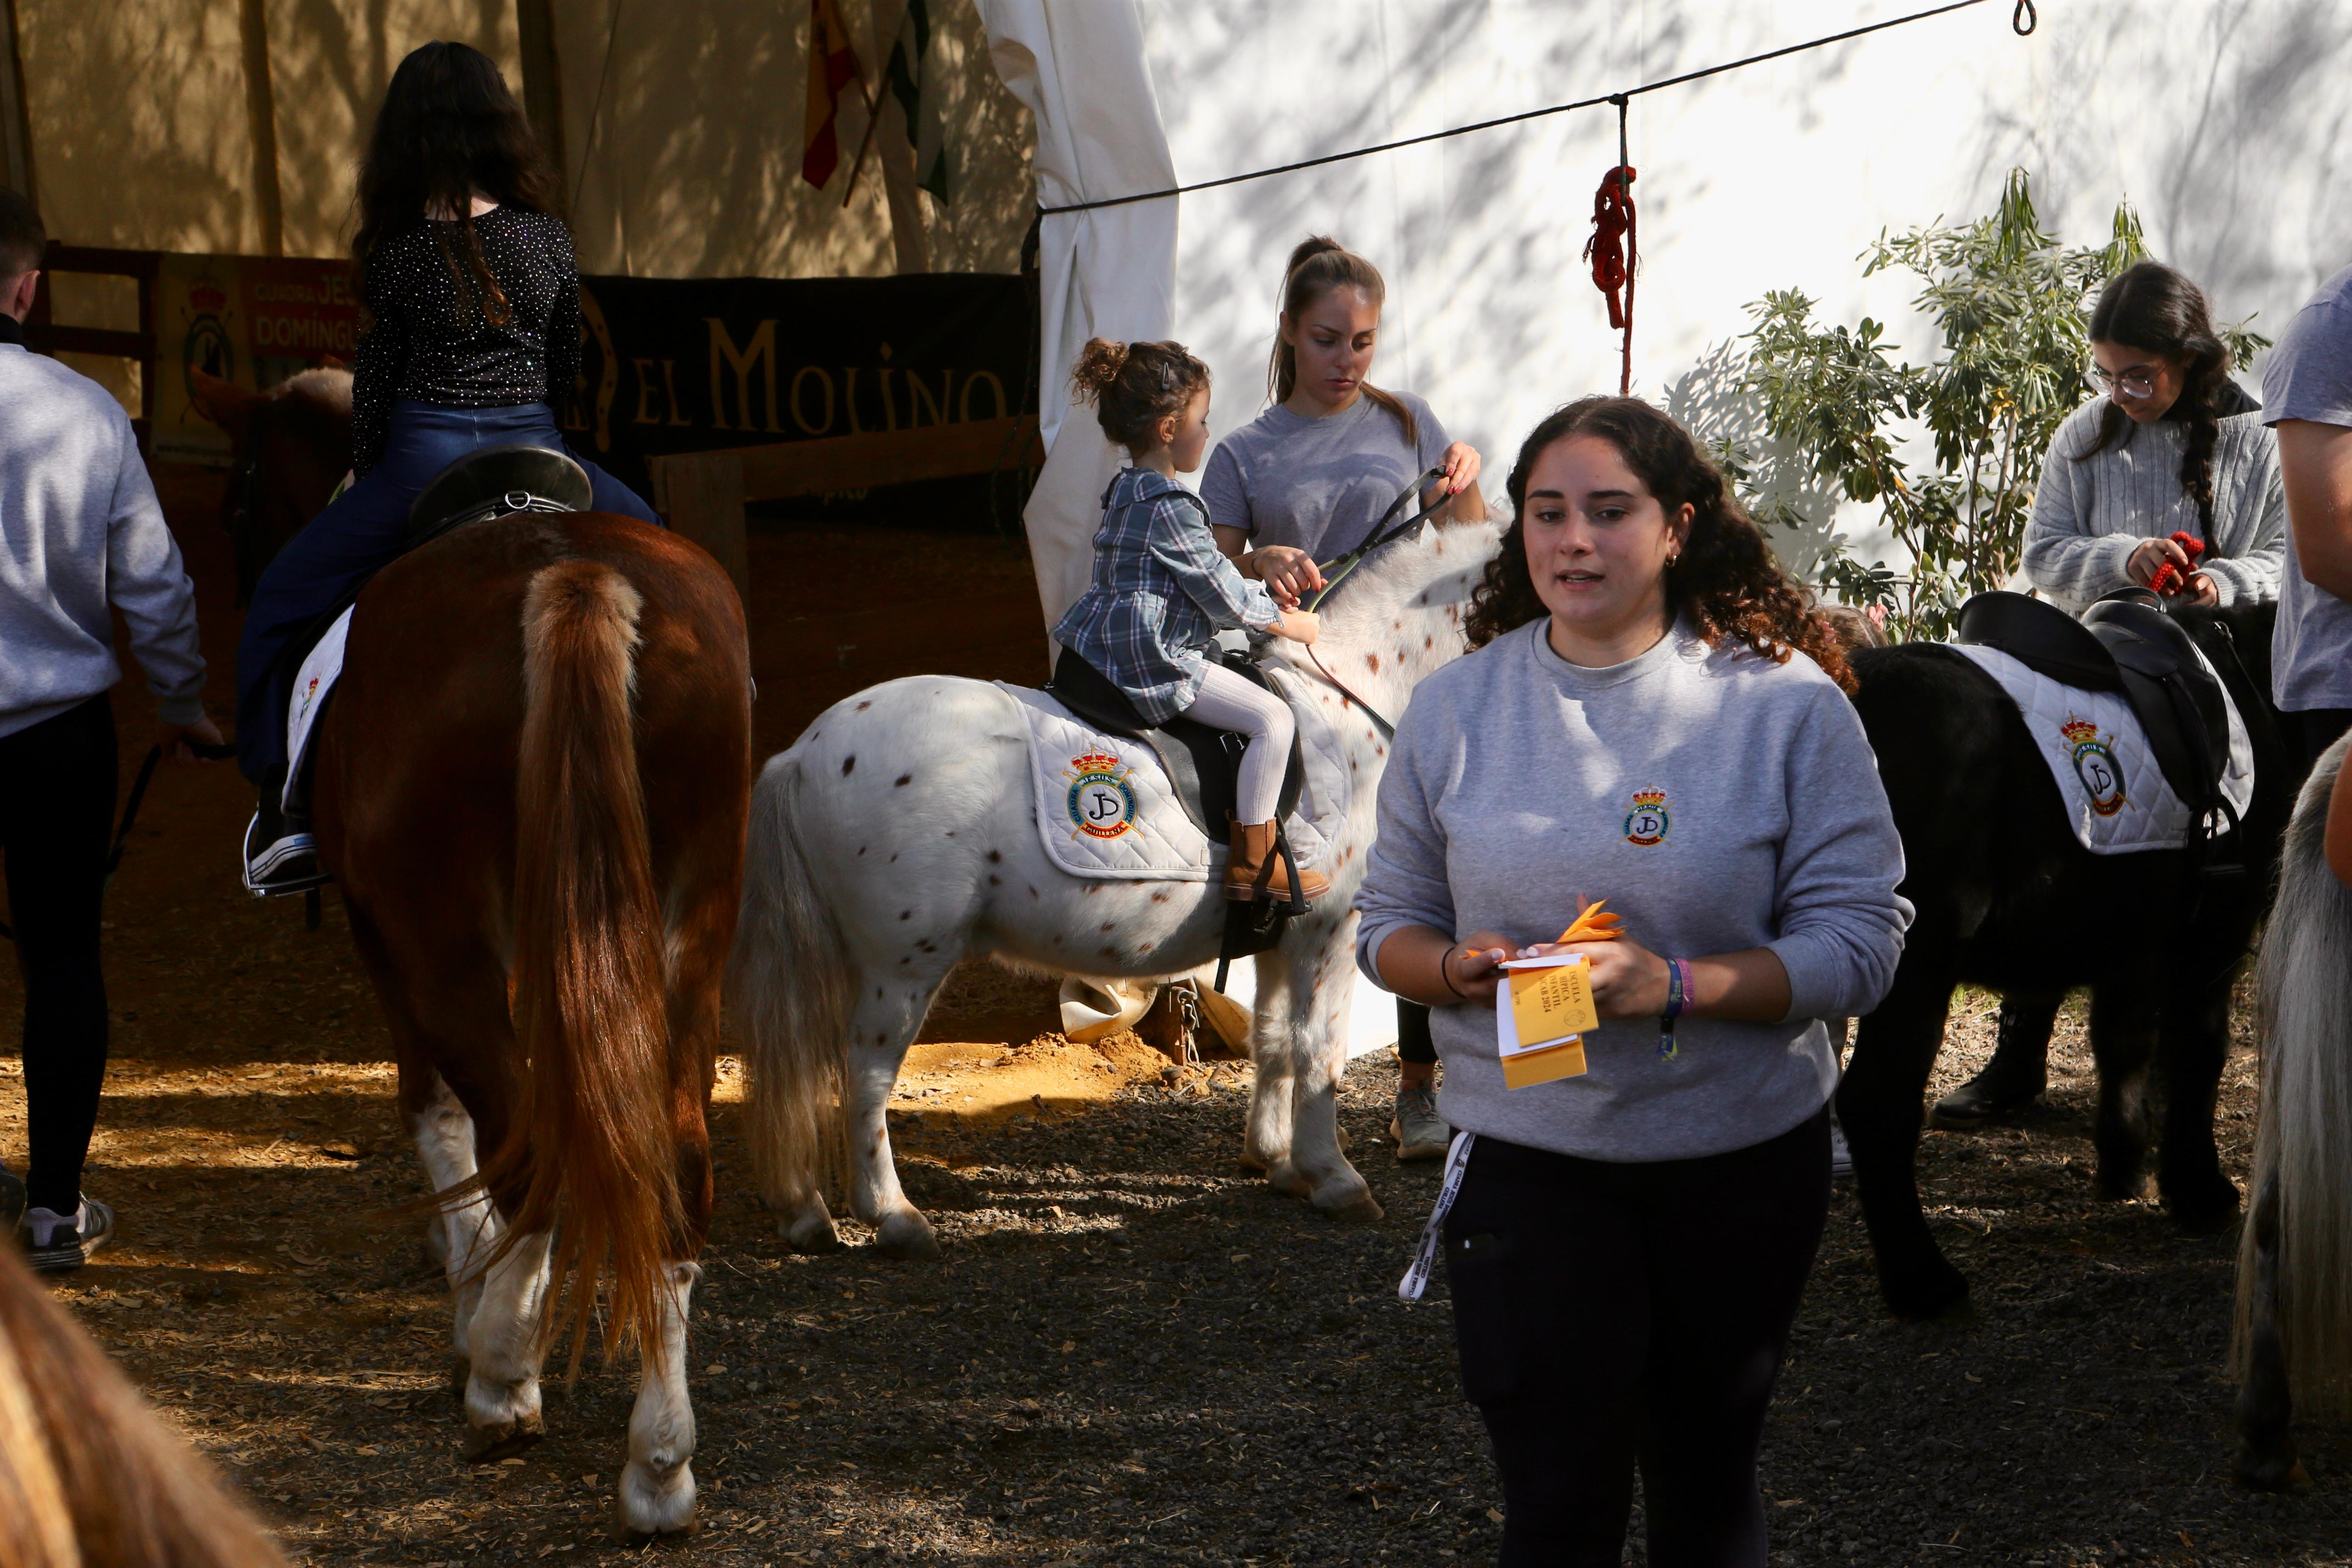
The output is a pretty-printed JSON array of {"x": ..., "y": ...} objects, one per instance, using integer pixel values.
[{"x": 1227, "y": 701}]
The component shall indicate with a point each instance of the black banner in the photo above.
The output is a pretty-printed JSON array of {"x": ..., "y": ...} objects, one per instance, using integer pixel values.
[{"x": 692, "y": 365}]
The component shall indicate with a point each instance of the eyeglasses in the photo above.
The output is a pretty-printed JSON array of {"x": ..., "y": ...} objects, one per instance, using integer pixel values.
[{"x": 2138, "y": 381}]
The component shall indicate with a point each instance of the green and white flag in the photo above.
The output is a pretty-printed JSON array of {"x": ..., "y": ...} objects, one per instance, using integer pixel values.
[{"x": 909, "y": 75}]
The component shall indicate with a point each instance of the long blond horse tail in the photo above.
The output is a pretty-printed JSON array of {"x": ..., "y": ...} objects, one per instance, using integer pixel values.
[
  {"x": 2304, "y": 1140},
  {"x": 788, "y": 987},
  {"x": 599, "y": 1157}
]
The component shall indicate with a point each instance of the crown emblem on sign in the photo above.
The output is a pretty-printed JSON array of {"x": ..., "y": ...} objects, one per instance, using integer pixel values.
[
  {"x": 1648, "y": 797},
  {"x": 2079, "y": 731},
  {"x": 1096, "y": 762},
  {"x": 207, "y": 296}
]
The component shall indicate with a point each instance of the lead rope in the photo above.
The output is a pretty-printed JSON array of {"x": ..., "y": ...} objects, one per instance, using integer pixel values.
[
  {"x": 1613, "y": 250},
  {"x": 1424, "y": 1257}
]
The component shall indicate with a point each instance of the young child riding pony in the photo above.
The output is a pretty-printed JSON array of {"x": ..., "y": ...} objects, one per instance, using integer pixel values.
[
  {"x": 473, "y": 306},
  {"x": 1162, "y": 592}
]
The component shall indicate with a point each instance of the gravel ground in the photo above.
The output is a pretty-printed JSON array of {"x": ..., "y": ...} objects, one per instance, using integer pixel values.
[{"x": 1133, "y": 1353}]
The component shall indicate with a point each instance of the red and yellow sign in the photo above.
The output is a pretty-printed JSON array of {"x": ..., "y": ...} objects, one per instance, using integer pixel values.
[{"x": 252, "y": 321}]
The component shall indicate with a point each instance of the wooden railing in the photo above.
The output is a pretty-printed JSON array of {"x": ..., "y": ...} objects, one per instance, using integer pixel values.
[
  {"x": 46, "y": 336},
  {"x": 703, "y": 493}
]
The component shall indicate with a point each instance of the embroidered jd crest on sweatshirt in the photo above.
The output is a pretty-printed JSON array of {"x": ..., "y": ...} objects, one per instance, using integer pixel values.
[{"x": 1647, "y": 822}]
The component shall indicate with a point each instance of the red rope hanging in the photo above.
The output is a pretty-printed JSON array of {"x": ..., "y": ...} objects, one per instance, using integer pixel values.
[{"x": 1613, "y": 250}]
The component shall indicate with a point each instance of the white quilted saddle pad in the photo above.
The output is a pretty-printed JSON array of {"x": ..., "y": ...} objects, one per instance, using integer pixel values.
[
  {"x": 1106, "y": 810},
  {"x": 316, "y": 679},
  {"x": 2117, "y": 799}
]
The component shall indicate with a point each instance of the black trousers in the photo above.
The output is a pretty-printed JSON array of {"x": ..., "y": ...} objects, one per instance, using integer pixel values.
[
  {"x": 2317, "y": 729},
  {"x": 57, "y": 813},
  {"x": 1608, "y": 1314},
  {"x": 1413, "y": 1043}
]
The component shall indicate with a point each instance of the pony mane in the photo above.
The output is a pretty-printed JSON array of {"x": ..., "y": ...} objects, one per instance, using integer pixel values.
[
  {"x": 1438, "y": 566},
  {"x": 327, "y": 388}
]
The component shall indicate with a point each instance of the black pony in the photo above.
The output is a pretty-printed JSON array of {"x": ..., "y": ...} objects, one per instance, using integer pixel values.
[{"x": 2008, "y": 899}]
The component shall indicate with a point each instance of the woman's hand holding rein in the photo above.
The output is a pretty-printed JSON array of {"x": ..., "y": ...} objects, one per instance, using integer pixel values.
[{"x": 1629, "y": 981}]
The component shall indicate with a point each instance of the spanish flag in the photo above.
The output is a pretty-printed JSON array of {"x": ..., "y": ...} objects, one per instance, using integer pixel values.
[{"x": 833, "y": 65}]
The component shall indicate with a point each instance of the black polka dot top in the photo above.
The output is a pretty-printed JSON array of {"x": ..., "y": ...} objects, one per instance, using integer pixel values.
[{"x": 434, "y": 338}]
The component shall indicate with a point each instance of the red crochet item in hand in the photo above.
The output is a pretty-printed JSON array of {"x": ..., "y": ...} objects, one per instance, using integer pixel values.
[{"x": 2169, "y": 579}]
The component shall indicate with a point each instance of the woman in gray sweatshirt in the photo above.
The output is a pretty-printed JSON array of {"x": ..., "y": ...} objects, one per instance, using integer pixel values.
[
  {"x": 2173, "y": 447},
  {"x": 1655, "y": 718}
]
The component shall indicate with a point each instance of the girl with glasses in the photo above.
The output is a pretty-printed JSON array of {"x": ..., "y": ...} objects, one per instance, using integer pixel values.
[{"x": 2172, "y": 445}]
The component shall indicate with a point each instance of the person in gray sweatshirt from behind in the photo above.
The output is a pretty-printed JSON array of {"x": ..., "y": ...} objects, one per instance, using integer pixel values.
[
  {"x": 80, "y": 536},
  {"x": 1655, "y": 717}
]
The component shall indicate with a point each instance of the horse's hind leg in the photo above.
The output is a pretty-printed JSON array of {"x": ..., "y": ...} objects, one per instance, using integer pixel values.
[
  {"x": 882, "y": 1025},
  {"x": 2195, "y": 1041},
  {"x": 2020, "y": 1068},
  {"x": 502, "y": 1410},
  {"x": 658, "y": 1489},
  {"x": 1302, "y": 1022},
  {"x": 445, "y": 1145},
  {"x": 2124, "y": 1012},
  {"x": 2266, "y": 1456}
]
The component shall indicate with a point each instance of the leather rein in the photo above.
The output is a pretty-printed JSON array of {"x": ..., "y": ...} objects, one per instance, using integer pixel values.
[{"x": 1337, "y": 572}]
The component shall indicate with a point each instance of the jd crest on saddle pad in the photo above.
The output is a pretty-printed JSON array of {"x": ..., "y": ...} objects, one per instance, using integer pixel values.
[
  {"x": 1648, "y": 822},
  {"x": 1105, "y": 808},
  {"x": 1101, "y": 801},
  {"x": 2095, "y": 765}
]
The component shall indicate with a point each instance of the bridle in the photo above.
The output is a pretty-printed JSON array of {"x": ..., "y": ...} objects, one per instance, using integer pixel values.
[{"x": 1337, "y": 571}]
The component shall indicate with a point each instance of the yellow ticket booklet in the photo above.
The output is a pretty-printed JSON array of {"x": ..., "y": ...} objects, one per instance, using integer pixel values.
[{"x": 1540, "y": 1016}]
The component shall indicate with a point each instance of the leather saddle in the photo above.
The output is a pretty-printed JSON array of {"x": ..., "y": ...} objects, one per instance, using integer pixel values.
[
  {"x": 491, "y": 481},
  {"x": 1203, "y": 764},
  {"x": 2126, "y": 643}
]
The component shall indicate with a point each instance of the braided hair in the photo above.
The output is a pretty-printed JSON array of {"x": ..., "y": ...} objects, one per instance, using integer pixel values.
[
  {"x": 1134, "y": 386},
  {"x": 1726, "y": 580},
  {"x": 2151, "y": 308}
]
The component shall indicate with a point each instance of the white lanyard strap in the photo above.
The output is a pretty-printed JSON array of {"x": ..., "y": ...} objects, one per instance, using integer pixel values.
[{"x": 1424, "y": 1257}]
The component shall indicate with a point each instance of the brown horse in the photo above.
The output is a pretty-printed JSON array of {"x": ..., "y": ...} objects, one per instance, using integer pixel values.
[
  {"x": 530, "y": 784},
  {"x": 298, "y": 434}
]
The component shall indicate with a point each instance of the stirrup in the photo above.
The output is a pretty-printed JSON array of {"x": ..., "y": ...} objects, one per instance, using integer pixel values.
[{"x": 277, "y": 869}]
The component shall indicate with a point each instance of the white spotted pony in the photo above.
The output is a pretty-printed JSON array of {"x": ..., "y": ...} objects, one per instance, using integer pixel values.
[{"x": 897, "y": 835}]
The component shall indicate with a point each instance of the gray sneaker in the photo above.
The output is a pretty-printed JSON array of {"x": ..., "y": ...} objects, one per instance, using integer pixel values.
[
  {"x": 1421, "y": 1133},
  {"x": 59, "y": 1243}
]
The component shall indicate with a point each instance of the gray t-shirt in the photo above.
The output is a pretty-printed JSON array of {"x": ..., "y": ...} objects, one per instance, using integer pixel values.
[
  {"x": 1719, "y": 802},
  {"x": 2309, "y": 376},
  {"x": 1319, "y": 484}
]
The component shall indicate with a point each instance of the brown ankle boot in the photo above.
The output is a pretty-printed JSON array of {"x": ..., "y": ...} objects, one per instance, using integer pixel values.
[{"x": 1257, "y": 870}]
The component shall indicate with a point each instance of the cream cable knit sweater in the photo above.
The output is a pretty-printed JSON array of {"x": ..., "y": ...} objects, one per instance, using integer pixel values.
[{"x": 2088, "y": 515}]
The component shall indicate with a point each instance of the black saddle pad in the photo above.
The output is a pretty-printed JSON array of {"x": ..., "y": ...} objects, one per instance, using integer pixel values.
[
  {"x": 2127, "y": 642},
  {"x": 1203, "y": 763}
]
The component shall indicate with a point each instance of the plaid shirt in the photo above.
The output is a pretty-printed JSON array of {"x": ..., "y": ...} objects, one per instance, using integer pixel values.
[{"x": 1161, "y": 592}]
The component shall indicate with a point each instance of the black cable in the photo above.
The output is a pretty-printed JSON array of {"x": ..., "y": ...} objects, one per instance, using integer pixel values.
[
  {"x": 2023, "y": 18},
  {"x": 2026, "y": 9}
]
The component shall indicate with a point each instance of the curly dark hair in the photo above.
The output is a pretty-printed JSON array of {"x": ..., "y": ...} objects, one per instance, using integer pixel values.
[
  {"x": 2151, "y": 308},
  {"x": 1134, "y": 386},
  {"x": 1726, "y": 580},
  {"x": 448, "y": 129}
]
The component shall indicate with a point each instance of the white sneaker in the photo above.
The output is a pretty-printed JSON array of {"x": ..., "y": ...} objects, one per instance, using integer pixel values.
[
  {"x": 1420, "y": 1131},
  {"x": 288, "y": 863}
]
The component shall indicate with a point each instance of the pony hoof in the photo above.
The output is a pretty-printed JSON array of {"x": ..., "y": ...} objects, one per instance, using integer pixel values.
[
  {"x": 1284, "y": 1178},
  {"x": 908, "y": 1237},
  {"x": 2206, "y": 1210},
  {"x": 810, "y": 1240},
  {"x": 1361, "y": 1209},
  {"x": 1936, "y": 1294},
  {"x": 488, "y": 1445},
  {"x": 2272, "y": 1472},
  {"x": 1253, "y": 1163},
  {"x": 646, "y": 1507},
  {"x": 2121, "y": 1189}
]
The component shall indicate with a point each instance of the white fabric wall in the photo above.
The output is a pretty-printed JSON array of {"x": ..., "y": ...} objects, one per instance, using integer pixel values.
[{"x": 2215, "y": 118}]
